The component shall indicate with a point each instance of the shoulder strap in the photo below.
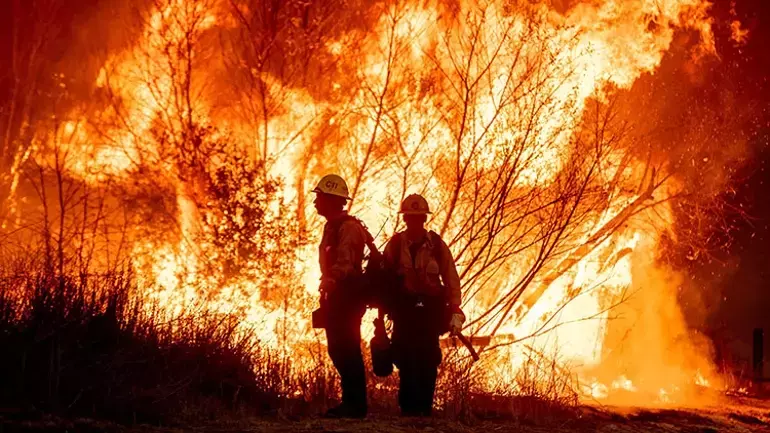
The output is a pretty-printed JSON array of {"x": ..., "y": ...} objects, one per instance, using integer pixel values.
[
  {"x": 436, "y": 241},
  {"x": 369, "y": 239},
  {"x": 397, "y": 240}
]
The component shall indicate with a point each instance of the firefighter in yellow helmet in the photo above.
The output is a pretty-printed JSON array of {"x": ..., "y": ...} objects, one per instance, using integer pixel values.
[
  {"x": 340, "y": 255},
  {"x": 427, "y": 304}
]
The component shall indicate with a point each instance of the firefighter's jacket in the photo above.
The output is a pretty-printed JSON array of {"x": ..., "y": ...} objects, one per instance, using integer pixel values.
[
  {"x": 342, "y": 248},
  {"x": 431, "y": 265}
]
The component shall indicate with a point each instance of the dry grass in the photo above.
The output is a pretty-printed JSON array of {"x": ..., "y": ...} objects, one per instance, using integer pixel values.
[
  {"x": 87, "y": 346},
  {"x": 542, "y": 391},
  {"x": 91, "y": 346}
]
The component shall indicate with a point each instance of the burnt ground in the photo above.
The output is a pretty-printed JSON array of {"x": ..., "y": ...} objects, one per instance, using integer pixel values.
[{"x": 734, "y": 415}]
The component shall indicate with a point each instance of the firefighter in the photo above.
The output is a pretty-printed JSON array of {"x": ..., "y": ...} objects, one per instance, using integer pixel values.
[
  {"x": 341, "y": 255},
  {"x": 427, "y": 304}
]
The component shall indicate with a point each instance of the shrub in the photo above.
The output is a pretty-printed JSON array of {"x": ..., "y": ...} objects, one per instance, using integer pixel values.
[{"x": 89, "y": 346}]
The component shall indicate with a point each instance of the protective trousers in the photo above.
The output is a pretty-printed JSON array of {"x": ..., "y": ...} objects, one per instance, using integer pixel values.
[
  {"x": 343, "y": 334},
  {"x": 415, "y": 343}
]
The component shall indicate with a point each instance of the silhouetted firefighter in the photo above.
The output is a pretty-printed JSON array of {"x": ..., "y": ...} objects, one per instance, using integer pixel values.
[
  {"x": 425, "y": 305},
  {"x": 343, "y": 300}
]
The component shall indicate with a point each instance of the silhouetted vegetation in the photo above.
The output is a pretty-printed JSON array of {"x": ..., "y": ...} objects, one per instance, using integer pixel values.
[{"x": 83, "y": 345}]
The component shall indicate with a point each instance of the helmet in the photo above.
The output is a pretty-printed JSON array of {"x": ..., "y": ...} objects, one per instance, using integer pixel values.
[
  {"x": 414, "y": 204},
  {"x": 333, "y": 185}
]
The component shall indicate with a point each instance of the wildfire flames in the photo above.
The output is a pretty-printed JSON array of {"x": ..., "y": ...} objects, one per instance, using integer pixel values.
[{"x": 508, "y": 116}]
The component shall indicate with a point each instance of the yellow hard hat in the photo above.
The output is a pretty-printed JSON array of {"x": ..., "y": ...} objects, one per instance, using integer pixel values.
[
  {"x": 414, "y": 204},
  {"x": 333, "y": 185}
]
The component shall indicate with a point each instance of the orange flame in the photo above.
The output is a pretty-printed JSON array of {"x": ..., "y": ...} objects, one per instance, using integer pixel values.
[{"x": 402, "y": 116}]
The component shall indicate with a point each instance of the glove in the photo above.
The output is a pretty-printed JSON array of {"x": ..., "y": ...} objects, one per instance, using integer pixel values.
[
  {"x": 456, "y": 323},
  {"x": 327, "y": 285}
]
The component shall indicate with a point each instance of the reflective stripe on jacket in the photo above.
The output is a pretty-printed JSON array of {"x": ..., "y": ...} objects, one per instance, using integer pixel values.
[
  {"x": 432, "y": 265},
  {"x": 346, "y": 259}
]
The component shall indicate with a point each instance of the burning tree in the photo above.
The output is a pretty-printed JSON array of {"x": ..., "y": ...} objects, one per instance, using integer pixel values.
[{"x": 212, "y": 122}]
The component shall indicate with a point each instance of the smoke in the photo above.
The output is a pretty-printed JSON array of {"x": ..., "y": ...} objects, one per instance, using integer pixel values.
[{"x": 710, "y": 118}]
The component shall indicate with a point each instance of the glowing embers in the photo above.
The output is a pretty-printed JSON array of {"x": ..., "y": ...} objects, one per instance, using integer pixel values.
[{"x": 483, "y": 109}]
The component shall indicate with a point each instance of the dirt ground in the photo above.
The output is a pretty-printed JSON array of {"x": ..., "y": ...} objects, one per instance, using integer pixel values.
[
  {"x": 734, "y": 415},
  {"x": 747, "y": 416}
]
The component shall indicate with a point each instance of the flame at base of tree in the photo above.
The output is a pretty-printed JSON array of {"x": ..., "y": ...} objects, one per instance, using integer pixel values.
[{"x": 195, "y": 155}]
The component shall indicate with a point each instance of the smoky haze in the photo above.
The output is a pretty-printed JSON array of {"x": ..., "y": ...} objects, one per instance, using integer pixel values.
[{"x": 726, "y": 293}]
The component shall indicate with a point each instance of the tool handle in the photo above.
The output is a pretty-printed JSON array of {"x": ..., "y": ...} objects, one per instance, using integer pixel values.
[{"x": 464, "y": 340}]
